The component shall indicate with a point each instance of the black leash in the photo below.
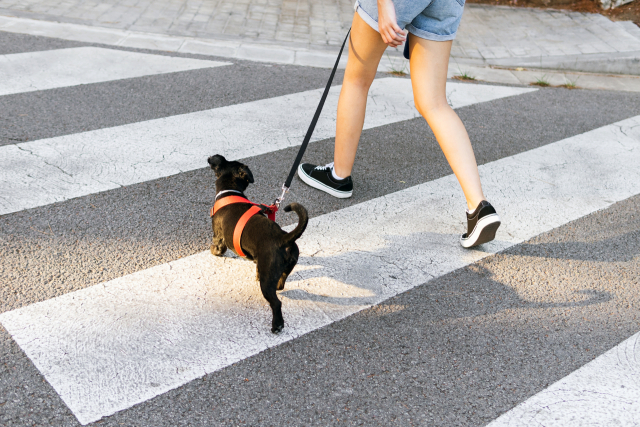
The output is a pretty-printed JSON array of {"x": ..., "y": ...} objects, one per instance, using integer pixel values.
[{"x": 312, "y": 126}]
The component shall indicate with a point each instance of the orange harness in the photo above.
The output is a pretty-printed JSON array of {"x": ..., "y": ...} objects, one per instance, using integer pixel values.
[{"x": 256, "y": 208}]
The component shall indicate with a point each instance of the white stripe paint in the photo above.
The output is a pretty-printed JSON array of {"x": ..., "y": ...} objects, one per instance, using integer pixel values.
[
  {"x": 110, "y": 346},
  {"x": 31, "y": 71},
  {"x": 41, "y": 172},
  {"x": 604, "y": 392}
]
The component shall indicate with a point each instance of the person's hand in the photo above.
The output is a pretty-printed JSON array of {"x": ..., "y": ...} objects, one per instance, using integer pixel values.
[{"x": 388, "y": 27}]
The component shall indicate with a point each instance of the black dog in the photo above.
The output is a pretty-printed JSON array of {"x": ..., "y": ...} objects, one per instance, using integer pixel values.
[{"x": 263, "y": 241}]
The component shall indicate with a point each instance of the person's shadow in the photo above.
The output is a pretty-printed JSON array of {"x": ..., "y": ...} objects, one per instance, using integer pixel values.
[
  {"x": 612, "y": 249},
  {"x": 405, "y": 262}
]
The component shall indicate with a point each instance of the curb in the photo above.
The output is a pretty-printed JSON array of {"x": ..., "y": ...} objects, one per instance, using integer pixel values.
[
  {"x": 535, "y": 75},
  {"x": 139, "y": 40},
  {"x": 604, "y": 63},
  {"x": 392, "y": 61}
]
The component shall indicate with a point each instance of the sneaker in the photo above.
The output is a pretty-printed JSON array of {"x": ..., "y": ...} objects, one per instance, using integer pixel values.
[
  {"x": 482, "y": 225},
  {"x": 321, "y": 177}
]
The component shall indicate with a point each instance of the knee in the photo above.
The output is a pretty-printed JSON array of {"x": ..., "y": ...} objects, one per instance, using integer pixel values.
[
  {"x": 432, "y": 109},
  {"x": 360, "y": 83}
]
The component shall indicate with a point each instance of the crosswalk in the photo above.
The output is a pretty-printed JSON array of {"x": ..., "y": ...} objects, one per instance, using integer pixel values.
[
  {"x": 120, "y": 343},
  {"x": 50, "y": 170}
]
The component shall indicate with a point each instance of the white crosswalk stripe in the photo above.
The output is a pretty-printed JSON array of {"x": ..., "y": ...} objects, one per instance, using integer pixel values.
[
  {"x": 604, "y": 392},
  {"x": 110, "y": 346},
  {"x": 50, "y": 170},
  {"x": 32, "y": 71}
]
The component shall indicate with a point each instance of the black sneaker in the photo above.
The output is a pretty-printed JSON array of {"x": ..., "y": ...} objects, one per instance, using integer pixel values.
[
  {"x": 482, "y": 225},
  {"x": 320, "y": 177}
]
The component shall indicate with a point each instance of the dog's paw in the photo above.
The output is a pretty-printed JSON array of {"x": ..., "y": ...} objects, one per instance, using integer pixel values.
[
  {"x": 217, "y": 250},
  {"x": 277, "y": 328}
]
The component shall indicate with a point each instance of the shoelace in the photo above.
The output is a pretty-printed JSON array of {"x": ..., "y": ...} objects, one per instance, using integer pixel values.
[{"x": 325, "y": 167}]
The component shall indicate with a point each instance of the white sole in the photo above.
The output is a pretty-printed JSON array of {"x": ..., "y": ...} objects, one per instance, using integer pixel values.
[
  {"x": 320, "y": 186},
  {"x": 484, "y": 231}
]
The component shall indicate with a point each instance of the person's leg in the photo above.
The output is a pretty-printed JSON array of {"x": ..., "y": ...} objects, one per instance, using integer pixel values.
[
  {"x": 429, "y": 63},
  {"x": 365, "y": 50}
]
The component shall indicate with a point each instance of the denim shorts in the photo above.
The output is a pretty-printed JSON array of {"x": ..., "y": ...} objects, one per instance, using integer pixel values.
[{"x": 436, "y": 20}]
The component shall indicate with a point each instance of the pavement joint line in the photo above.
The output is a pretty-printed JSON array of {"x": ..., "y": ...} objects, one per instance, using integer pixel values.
[
  {"x": 74, "y": 339},
  {"x": 69, "y": 166}
]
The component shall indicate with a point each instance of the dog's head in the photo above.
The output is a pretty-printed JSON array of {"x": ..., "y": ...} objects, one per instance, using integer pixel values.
[{"x": 230, "y": 175}]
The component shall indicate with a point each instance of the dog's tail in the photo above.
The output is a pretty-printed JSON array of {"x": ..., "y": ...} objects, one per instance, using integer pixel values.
[{"x": 303, "y": 219}]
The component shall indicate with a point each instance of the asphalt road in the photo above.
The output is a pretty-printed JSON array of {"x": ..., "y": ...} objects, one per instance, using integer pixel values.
[{"x": 459, "y": 350}]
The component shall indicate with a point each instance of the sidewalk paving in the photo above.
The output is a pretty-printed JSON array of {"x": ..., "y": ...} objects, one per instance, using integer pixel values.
[
  {"x": 309, "y": 33},
  {"x": 537, "y": 38},
  {"x": 301, "y": 22}
]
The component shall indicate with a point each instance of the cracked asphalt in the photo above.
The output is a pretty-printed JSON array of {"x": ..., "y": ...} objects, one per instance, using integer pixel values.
[{"x": 457, "y": 351}]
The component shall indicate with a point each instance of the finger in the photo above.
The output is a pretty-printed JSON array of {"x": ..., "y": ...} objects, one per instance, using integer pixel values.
[
  {"x": 394, "y": 43},
  {"x": 391, "y": 36},
  {"x": 386, "y": 36},
  {"x": 394, "y": 38},
  {"x": 398, "y": 37},
  {"x": 398, "y": 30}
]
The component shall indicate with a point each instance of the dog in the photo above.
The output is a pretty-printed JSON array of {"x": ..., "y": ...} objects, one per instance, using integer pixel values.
[{"x": 274, "y": 251}]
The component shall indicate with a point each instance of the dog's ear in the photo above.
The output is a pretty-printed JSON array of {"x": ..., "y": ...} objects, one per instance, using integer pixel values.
[
  {"x": 216, "y": 161},
  {"x": 244, "y": 173}
]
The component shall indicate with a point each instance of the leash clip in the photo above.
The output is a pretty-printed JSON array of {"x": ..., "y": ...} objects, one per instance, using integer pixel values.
[{"x": 280, "y": 199}]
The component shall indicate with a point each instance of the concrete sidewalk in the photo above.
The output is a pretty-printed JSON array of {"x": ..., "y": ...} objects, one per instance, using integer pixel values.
[
  {"x": 536, "y": 38},
  {"x": 489, "y": 35}
]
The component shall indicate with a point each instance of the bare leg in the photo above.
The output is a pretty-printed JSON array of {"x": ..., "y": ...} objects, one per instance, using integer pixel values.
[
  {"x": 365, "y": 50},
  {"x": 429, "y": 63}
]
